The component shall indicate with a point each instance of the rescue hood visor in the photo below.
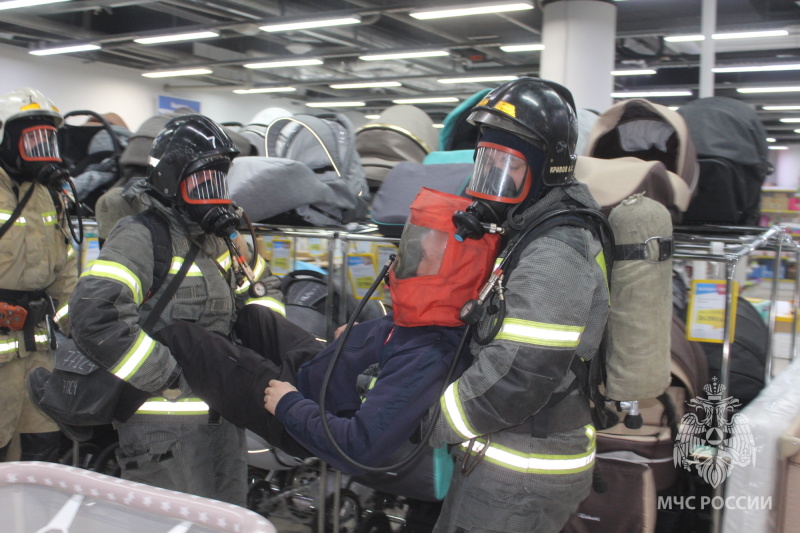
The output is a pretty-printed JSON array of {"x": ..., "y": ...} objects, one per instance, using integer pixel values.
[{"x": 434, "y": 274}]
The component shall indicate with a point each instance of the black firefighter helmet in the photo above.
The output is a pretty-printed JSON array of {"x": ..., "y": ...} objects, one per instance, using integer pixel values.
[
  {"x": 187, "y": 143},
  {"x": 542, "y": 113}
]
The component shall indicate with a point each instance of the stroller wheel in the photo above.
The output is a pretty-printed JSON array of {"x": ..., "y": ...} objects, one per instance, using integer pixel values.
[
  {"x": 376, "y": 522},
  {"x": 349, "y": 512}
]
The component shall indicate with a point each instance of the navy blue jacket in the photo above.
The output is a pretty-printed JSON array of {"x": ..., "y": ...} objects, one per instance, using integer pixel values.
[{"x": 414, "y": 364}]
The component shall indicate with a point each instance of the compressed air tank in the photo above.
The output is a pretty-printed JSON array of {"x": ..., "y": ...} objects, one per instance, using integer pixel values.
[{"x": 638, "y": 357}]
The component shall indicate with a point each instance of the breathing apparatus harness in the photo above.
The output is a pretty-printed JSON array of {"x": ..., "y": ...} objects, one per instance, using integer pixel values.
[
  {"x": 225, "y": 228},
  {"x": 326, "y": 380},
  {"x": 588, "y": 376}
]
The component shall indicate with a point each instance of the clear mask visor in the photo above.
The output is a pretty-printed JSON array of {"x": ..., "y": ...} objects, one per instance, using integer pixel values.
[
  {"x": 39, "y": 143},
  {"x": 203, "y": 187},
  {"x": 421, "y": 252},
  {"x": 500, "y": 174}
]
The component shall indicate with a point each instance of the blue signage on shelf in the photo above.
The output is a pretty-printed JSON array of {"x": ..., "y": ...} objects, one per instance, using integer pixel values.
[{"x": 168, "y": 104}]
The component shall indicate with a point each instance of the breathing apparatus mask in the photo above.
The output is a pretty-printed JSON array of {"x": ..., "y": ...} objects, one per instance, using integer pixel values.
[
  {"x": 204, "y": 198},
  {"x": 30, "y": 153},
  {"x": 435, "y": 274},
  {"x": 506, "y": 176}
]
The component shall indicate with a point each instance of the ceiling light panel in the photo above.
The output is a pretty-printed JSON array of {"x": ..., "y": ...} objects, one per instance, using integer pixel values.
[
  {"x": 757, "y": 68},
  {"x": 404, "y": 55},
  {"x": 366, "y": 85},
  {"x": 436, "y": 100},
  {"x": 194, "y": 36},
  {"x": 335, "y": 104},
  {"x": 754, "y": 90},
  {"x": 172, "y": 73},
  {"x": 534, "y": 47},
  {"x": 725, "y": 36},
  {"x": 309, "y": 24},
  {"x": 285, "y": 63},
  {"x": 480, "y": 9},
  {"x": 781, "y": 107},
  {"x": 650, "y": 94},
  {"x": 16, "y": 4},
  {"x": 260, "y": 90},
  {"x": 477, "y": 79},
  {"x": 633, "y": 72},
  {"x": 64, "y": 49}
]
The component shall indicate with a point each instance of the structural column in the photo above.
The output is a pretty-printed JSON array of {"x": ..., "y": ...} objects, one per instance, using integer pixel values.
[{"x": 579, "y": 46}]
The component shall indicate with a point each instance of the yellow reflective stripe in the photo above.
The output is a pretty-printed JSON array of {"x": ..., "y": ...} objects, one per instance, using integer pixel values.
[
  {"x": 532, "y": 463},
  {"x": 61, "y": 313},
  {"x": 184, "y": 406},
  {"x": 6, "y": 215},
  {"x": 261, "y": 266},
  {"x": 454, "y": 411},
  {"x": 49, "y": 218},
  {"x": 135, "y": 357},
  {"x": 591, "y": 434},
  {"x": 9, "y": 346},
  {"x": 70, "y": 252},
  {"x": 117, "y": 272},
  {"x": 498, "y": 261},
  {"x": 42, "y": 338},
  {"x": 177, "y": 263},
  {"x": 224, "y": 260},
  {"x": 540, "y": 333},
  {"x": 271, "y": 303}
]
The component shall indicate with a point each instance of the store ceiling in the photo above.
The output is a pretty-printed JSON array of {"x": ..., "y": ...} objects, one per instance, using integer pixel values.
[{"x": 473, "y": 44}]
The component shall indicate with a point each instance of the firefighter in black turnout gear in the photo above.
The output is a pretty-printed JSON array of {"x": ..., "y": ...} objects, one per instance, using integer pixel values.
[
  {"x": 173, "y": 440},
  {"x": 519, "y": 425}
]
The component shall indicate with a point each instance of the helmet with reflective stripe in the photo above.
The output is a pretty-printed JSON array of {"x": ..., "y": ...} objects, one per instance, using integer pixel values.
[
  {"x": 187, "y": 144},
  {"x": 540, "y": 112},
  {"x": 27, "y": 103}
]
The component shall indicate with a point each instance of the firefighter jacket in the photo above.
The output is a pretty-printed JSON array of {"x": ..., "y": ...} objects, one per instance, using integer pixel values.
[
  {"x": 413, "y": 366},
  {"x": 36, "y": 255},
  {"x": 111, "y": 300},
  {"x": 556, "y": 306}
]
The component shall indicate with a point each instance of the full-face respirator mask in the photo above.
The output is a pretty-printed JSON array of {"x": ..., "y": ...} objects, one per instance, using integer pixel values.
[
  {"x": 506, "y": 175},
  {"x": 204, "y": 198},
  {"x": 30, "y": 153}
]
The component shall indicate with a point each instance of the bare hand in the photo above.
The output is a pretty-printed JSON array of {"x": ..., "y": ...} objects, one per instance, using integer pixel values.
[
  {"x": 274, "y": 392},
  {"x": 340, "y": 330}
]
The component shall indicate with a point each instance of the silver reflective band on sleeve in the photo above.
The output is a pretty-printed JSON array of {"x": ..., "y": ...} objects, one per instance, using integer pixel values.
[
  {"x": 268, "y": 302},
  {"x": 261, "y": 265},
  {"x": 9, "y": 346},
  {"x": 540, "y": 333},
  {"x": 61, "y": 313},
  {"x": 532, "y": 463},
  {"x": 42, "y": 338},
  {"x": 70, "y": 252},
  {"x": 224, "y": 260},
  {"x": 117, "y": 272},
  {"x": 49, "y": 218},
  {"x": 177, "y": 263},
  {"x": 451, "y": 406},
  {"x": 184, "y": 406},
  {"x": 135, "y": 357},
  {"x": 6, "y": 215}
]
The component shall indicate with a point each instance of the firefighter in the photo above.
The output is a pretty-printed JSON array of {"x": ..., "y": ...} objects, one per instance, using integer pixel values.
[
  {"x": 38, "y": 267},
  {"x": 173, "y": 440},
  {"x": 519, "y": 425}
]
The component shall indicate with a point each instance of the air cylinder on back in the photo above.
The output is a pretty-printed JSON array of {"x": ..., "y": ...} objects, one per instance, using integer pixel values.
[{"x": 638, "y": 365}]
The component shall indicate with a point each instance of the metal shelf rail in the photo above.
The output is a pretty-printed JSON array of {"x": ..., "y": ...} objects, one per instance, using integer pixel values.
[{"x": 738, "y": 243}]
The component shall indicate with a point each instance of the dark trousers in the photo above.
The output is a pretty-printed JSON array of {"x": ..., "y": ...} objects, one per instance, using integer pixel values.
[{"x": 231, "y": 378}]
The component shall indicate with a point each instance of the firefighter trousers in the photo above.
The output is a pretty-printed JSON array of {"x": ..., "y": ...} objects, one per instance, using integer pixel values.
[{"x": 231, "y": 378}]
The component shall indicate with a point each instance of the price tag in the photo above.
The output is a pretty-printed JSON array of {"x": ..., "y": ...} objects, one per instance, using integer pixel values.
[
  {"x": 362, "y": 271},
  {"x": 706, "y": 316},
  {"x": 281, "y": 256}
]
